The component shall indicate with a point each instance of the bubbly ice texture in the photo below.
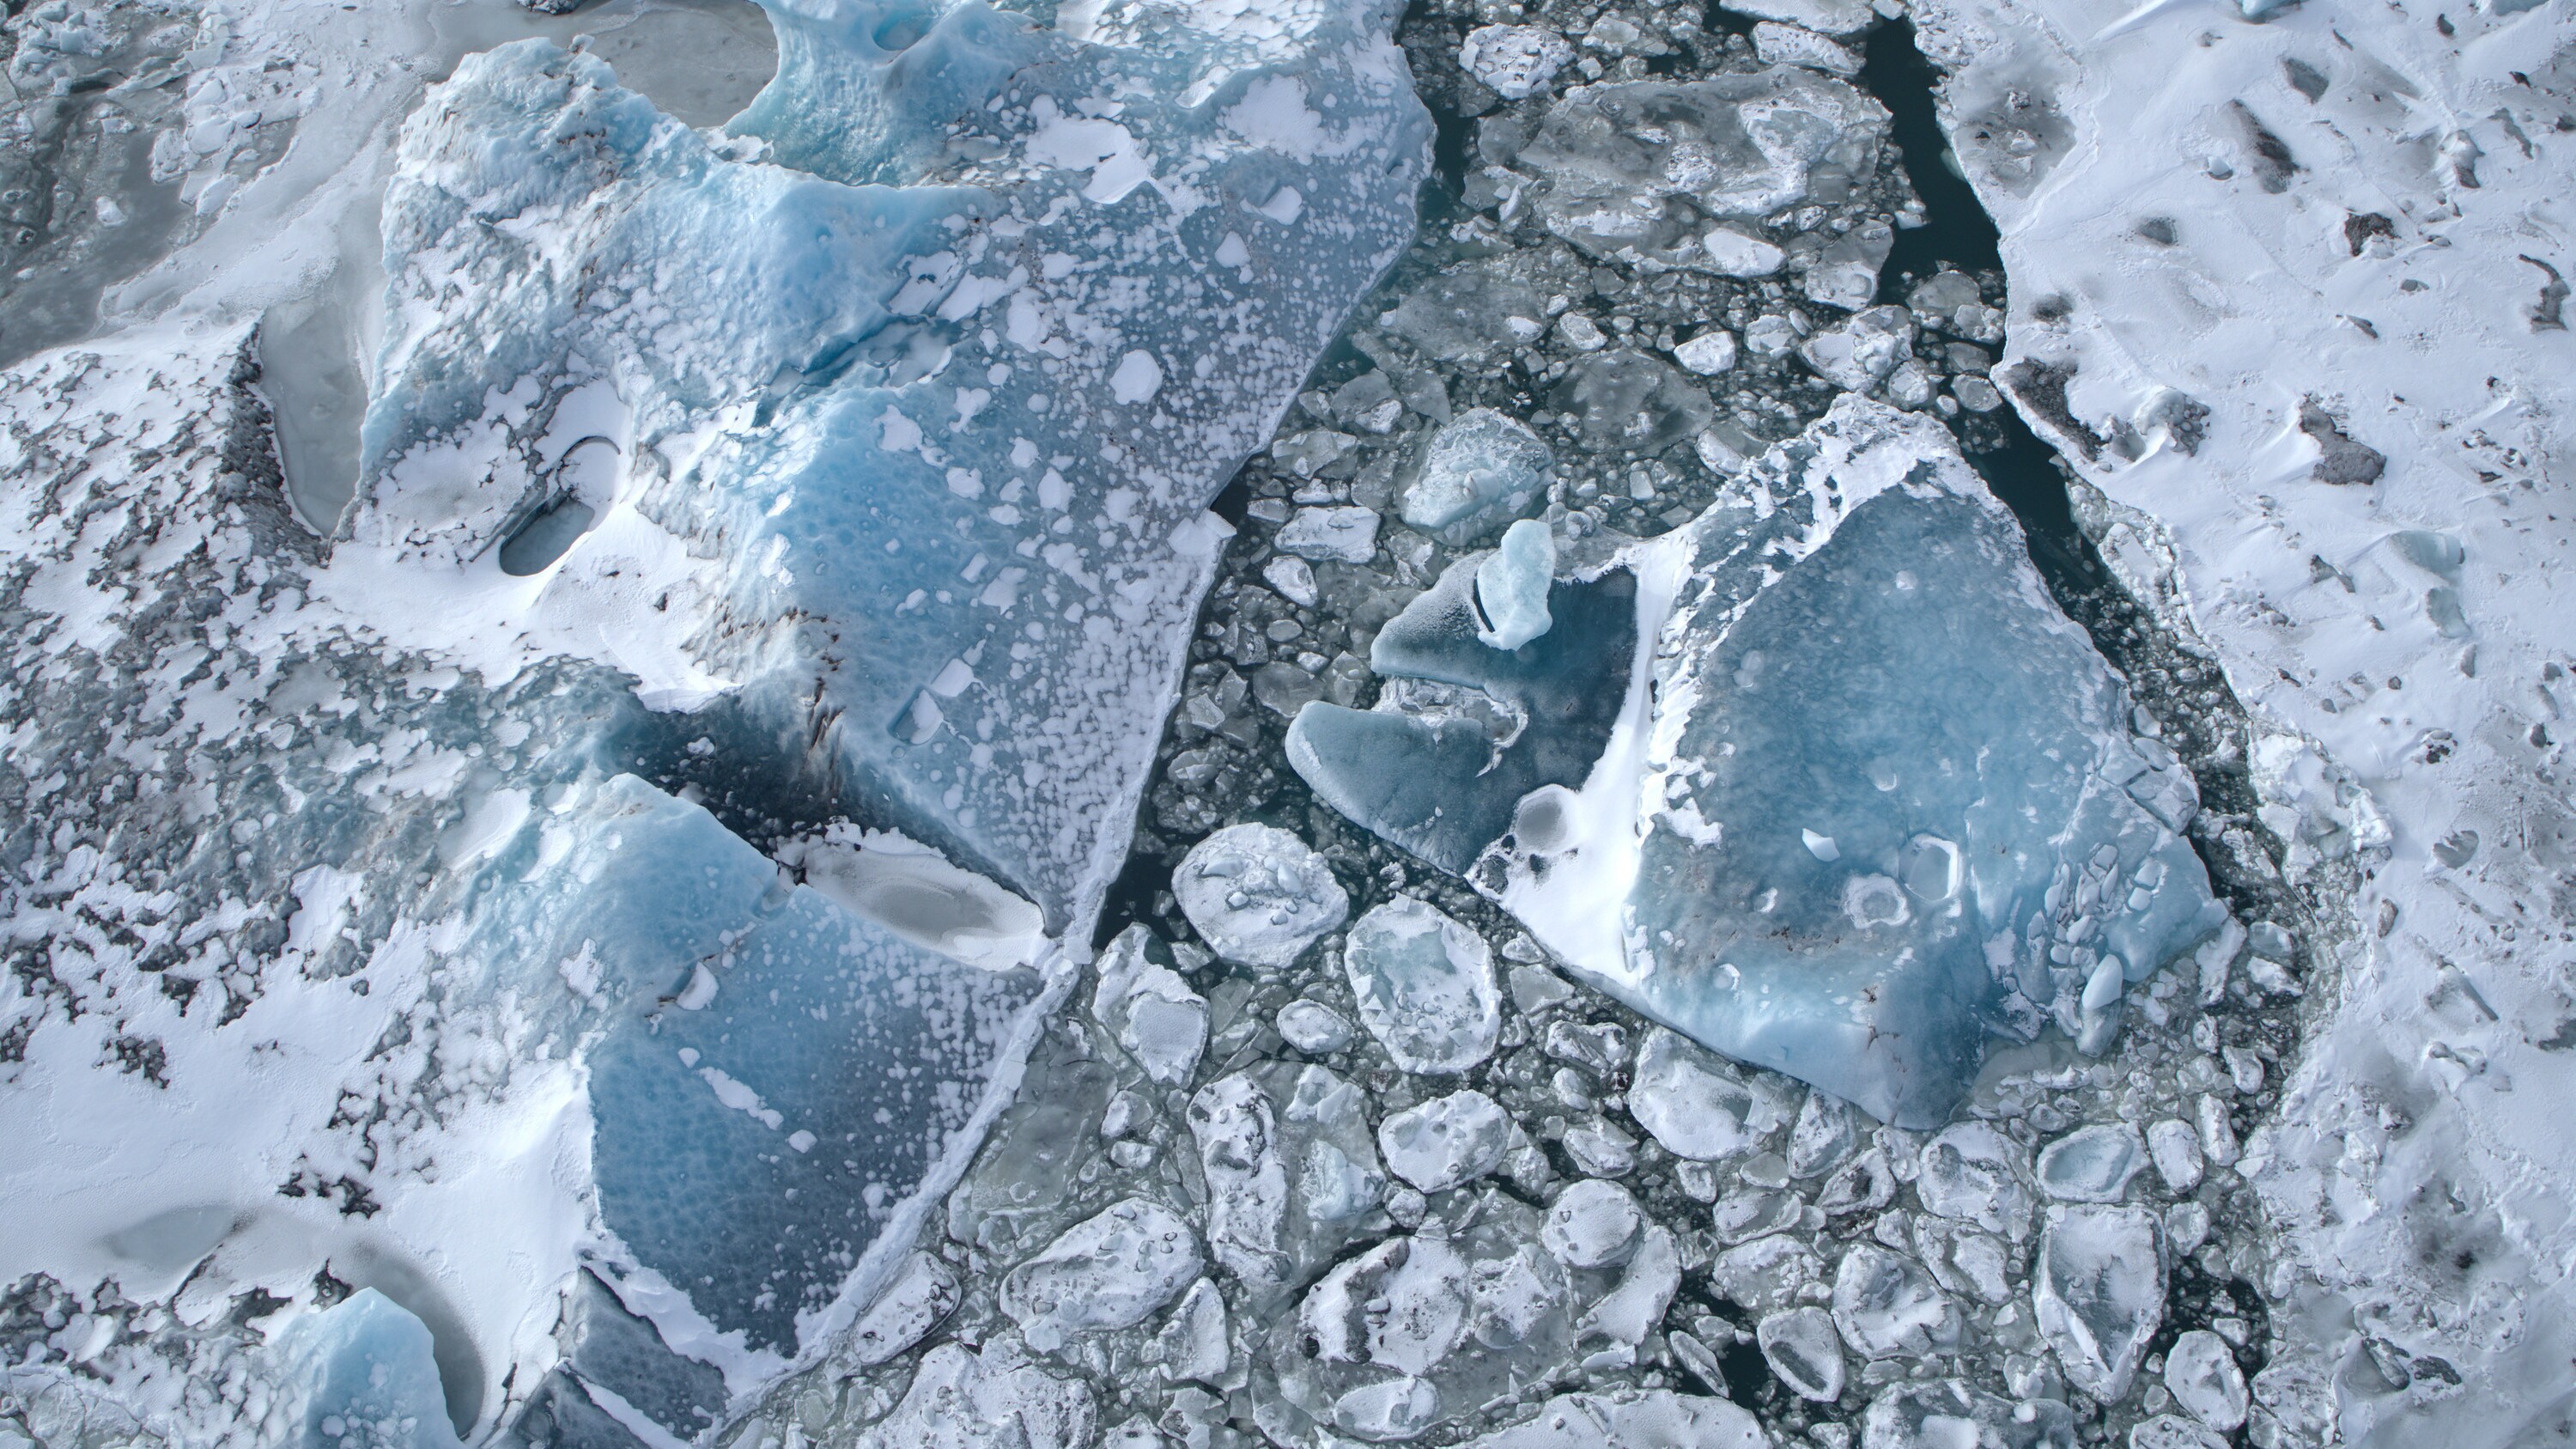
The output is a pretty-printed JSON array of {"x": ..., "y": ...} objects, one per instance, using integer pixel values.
[{"x": 1870, "y": 798}]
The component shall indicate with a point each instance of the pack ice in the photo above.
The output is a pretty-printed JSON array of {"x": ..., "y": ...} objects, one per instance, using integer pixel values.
[
  {"x": 584, "y": 899},
  {"x": 1864, "y": 797}
]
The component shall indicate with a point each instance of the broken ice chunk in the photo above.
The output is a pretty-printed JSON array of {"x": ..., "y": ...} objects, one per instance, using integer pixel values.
[
  {"x": 1778, "y": 44},
  {"x": 2092, "y": 1164},
  {"x": 368, "y": 1376},
  {"x": 2098, "y": 1292},
  {"x": 1445, "y": 1141},
  {"x": 1368, "y": 402},
  {"x": 1631, "y": 1419},
  {"x": 1771, "y": 335},
  {"x": 1766, "y": 1274},
  {"x": 2202, "y": 1375},
  {"x": 1313, "y": 1028},
  {"x": 1599, "y": 1147},
  {"x": 1637, "y": 165},
  {"x": 2173, "y": 1431},
  {"x": 1845, "y": 273},
  {"x": 1512, "y": 585},
  {"x": 1803, "y": 1348},
  {"x": 1425, "y": 987},
  {"x": 1194, "y": 1343},
  {"x": 1914, "y": 631},
  {"x": 1973, "y": 1172},
  {"x": 1696, "y": 1105},
  {"x": 1733, "y": 254},
  {"x": 1151, "y": 1011},
  {"x": 1708, "y": 354},
  {"x": 1258, "y": 895},
  {"x": 1514, "y": 61},
  {"x": 1752, "y": 1212},
  {"x": 1290, "y": 1166},
  {"x": 918, "y": 1300},
  {"x": 1345, "y": 534},
  {"x": 1886, "y": 1304},
  {"x": 1826, "y": 1133},
  {"x": 2175, "y": 1150},
  {"x": 1464, "y": 314},
  {"x": 1419, "y": 1330},
  {"x": 1952, "y": 1414},
  {"x": 1630, "y": 1311},
  {"x": 994, "y": 1399},
  {"x": 1592, "y": 1225},
  {"x": 1840, "y": 18},
  {"x": 1623, "y": 401},
  {"x": 1443, "y": 783},
  {"x": 1476, "y": 470},
  {"x": 1294, "y": 578},
  {"x": 1866, "y": 348},
  {"x": 1109, "y": 1271}
]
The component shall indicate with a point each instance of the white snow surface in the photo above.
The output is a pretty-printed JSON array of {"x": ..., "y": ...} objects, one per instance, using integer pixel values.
[{"x": 2401, "y": 644}]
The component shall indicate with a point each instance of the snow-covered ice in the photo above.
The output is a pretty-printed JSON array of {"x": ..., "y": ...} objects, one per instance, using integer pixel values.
[
  {"x": 1445, "y": 1141},
  {"x": 790, "y": 482},
  {"x": 1592, "y": 1224},
  {"x": 1804, "y": 1348},
  {"x": 2099, "y": 1290},
  {"x": 2202, "y": 1374},
  {"x": 1695, "y": 1104},
  {"x": 1886, "y": 1304},
  {"x": 2091, "y": 1164},
  {"x": 1258, "y": 894},
  {"x": 1108, "y": 1271},
  {"x": 1425, "y": 986}
]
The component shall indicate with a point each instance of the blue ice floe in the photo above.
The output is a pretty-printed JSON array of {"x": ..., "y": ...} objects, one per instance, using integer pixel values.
[{"x": 1870, "y": 797}]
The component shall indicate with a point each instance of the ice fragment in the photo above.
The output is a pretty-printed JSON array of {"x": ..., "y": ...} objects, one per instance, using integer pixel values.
[
  {"x": 1424, "y": 985},
  {"x": 1445, "y": 1141},
  {"x": 1803, "y": 1348},
  {"x": 2092, "y": 1164},
  {"x": 1258, "y": 895},
  {"x": 2098, "y": 1289},
  {"x": 1512, "y": 585}
]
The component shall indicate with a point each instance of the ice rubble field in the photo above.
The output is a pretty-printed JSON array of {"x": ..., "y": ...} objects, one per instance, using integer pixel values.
[{"x": 565, "y": 914}]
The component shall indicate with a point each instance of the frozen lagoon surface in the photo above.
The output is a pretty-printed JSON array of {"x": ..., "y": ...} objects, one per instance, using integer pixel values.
[{"x": 644, "y": 804}]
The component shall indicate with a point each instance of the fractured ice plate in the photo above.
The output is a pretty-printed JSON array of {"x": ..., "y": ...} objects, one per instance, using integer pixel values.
[{"x": 1871, "y": 797}]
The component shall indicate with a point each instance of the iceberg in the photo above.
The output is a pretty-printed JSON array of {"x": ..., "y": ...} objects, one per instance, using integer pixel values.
[
  {"x": 969, "y": 397},
  {"x": 1868, "y": 799}
]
